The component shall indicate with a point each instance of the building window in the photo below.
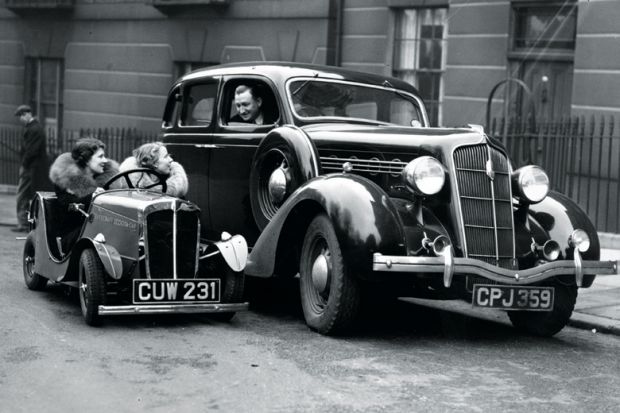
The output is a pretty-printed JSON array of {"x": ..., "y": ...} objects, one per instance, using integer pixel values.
[
  {"x": 419, "y": 54},
  {"x": 182, "y": 67},
  {"x": 44, "y": 90},
  {"x": 545, "y": 27}
]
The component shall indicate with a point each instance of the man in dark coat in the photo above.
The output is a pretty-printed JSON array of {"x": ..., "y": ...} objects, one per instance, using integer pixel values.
[{"x": 34, "y": 165}]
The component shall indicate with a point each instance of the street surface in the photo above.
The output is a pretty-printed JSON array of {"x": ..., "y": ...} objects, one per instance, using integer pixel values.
[{"x": 413, "y": 359}]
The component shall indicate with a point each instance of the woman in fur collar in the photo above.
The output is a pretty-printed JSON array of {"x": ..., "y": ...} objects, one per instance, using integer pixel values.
[
  {"x": 76, "y": 176},
  {"x": 155, "y": 156}
]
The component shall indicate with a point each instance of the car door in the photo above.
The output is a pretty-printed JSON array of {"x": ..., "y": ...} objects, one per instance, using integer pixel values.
[
  {"x": 233, "y": 148},
  {"x": 190, "y": 139}
]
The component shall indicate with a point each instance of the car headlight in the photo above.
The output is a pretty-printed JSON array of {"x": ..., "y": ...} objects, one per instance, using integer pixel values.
[
  {"x": 531, "y": 183},
  {"x": 424, "y": 175},
  {"x": 579, "y": 239}
]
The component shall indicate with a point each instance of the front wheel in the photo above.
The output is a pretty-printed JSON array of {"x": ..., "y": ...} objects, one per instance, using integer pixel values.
[
  {"x": 92, "y": 289},
  {"x": 33, "y": 280},
  {"x": 547, "y": 323},
  {"x": 330, "y": 296},
  {"x": 232, "y": 292}
]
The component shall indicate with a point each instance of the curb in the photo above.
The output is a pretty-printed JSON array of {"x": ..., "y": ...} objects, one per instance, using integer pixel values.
[{"x": 595, "y": 324}]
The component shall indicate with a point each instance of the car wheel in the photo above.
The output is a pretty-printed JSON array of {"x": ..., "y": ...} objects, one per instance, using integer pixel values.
[
  {"x": 273, "y": 178},
  {"x": 91, "y": 284},
  {"x": 33, "y": 280},
  {"x": 547, "y": 323},
  {"x": 330, "y": 296},
  {"x": 233, "y": 284}
]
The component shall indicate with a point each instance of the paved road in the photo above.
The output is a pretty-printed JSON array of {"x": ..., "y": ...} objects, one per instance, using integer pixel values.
[{"x": 266, "y": 360}]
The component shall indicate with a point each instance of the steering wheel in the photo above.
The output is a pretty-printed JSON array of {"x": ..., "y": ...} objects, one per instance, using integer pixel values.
[{"x": 161, "y": 179}]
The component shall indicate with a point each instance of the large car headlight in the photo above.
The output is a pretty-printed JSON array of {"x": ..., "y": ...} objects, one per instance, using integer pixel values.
[
  {"x": 424, "y": 175},
  {"x": 531, "y": 183}
]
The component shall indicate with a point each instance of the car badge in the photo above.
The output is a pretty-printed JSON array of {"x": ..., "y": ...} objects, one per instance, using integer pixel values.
[{"x": 490, "y": 171}]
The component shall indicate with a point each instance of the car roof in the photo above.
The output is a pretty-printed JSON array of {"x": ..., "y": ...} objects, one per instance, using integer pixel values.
[{"x": 279, "y": 72}]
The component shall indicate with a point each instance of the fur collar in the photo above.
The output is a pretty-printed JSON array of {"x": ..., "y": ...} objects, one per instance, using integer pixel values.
[
  {"x": 177, "y": 180},
  {"x": 68, "y": 176}
]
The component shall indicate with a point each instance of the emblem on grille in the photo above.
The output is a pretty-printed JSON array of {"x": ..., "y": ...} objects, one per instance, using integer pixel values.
[{"x": 490, "y": 171}]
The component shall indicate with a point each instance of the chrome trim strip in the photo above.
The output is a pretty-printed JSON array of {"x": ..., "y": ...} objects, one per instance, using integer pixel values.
[
  {"x": 178, "y": 308},
  {"x": 466, "y": 266},
  {"x": 174, "y": 239},
  {"x": 578, "y": 267},
  {"x": 491, "y": 183}
]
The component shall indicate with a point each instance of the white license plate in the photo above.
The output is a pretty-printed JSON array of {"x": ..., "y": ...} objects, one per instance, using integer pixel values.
[
  {"x": 168, "y": 291},
  {"x": 513, "y": 297}
]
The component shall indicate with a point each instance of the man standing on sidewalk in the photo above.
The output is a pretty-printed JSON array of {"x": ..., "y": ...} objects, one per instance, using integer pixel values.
[{"x": 34, "y": 165}]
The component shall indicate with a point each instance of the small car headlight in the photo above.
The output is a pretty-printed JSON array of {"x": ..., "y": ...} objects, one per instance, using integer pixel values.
[
  {"x": 532, "y": 183},
  {"x": 424, "y": 175},
  {"x": 579, "y": 239}
]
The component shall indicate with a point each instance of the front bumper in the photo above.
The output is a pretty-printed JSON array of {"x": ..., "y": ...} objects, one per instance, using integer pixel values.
[
  {"x": 171, "y": 308},
  {"x": 449, "y": 266}
]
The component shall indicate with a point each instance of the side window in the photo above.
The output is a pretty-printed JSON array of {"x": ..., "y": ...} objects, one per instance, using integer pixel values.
[
  {"x": 200, "y": 104},
  {"x": 172, "y": 108},
  {"x": 250, "y": 102}
]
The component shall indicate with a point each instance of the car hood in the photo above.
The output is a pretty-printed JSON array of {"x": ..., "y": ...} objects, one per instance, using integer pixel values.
[{"x": 330, "y": 139}]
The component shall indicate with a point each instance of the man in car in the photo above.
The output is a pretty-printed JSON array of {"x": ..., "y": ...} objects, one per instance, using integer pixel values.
[{"x": 249, "y": 102}]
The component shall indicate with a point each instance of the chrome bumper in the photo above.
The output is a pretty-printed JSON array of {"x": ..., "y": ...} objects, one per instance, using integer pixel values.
[
  {"x": 171, "y": 308},
  {"x": 450, "y": 265}
]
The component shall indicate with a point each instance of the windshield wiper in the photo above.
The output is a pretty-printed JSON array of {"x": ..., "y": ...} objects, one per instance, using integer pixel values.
[{"x": 303, "y": 85}]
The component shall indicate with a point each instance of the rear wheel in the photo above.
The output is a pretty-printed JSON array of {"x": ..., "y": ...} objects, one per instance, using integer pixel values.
[
  {"x": 92, "y": 289},
  {"x": 33, "y": 280},
  {"x": 330, "y": 296},
  {"x": 547, "y": 323}
]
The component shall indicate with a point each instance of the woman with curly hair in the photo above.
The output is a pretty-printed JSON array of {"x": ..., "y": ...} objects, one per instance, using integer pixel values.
[
  {"x": 155, "y": 156},
  {"x": 76, "y": 176}
]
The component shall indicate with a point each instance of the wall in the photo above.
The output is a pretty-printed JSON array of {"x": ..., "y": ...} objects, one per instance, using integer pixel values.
[
  {"x": 119, "y": 55},
  {"x": 596, "y": 86}
]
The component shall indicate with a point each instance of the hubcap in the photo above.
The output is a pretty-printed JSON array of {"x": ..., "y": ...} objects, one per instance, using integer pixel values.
[
  {"x": 277, "y": 185},
  {"x": 320, "y": 273}
]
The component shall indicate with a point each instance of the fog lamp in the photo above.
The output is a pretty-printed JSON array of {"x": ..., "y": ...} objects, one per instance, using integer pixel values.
[{"x": 579, "y": 239}]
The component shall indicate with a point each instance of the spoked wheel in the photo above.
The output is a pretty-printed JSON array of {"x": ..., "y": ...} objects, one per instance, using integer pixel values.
[
  {"x": 33, "y": 280},
  {"x": 330, "y": 296},
  {"x": 272, "y": 180},
  {"x": 547, "y": 323},
  {"x": 92, "y": 289}
]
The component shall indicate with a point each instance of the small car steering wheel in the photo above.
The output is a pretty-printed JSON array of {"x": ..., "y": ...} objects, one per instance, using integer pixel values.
[{"x": 161, "y": 179}]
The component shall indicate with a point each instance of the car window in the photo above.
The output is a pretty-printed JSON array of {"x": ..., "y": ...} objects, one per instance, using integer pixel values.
[
  {"x": 270, "y": 113},
  {"x": 332, "y": 99},
  {"x": 200, "y": 101},
  {"x": 172, "y": 108}
]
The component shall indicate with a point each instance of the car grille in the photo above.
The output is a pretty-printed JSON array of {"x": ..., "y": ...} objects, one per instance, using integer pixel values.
[
  {"x": 159, "y": 245},
  {"x": 372, "y": 166},
  {"x": 486, "y": 204}
]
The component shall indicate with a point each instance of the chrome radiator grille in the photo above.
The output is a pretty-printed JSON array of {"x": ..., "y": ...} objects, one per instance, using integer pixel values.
[{"x": 483, "y": 180}]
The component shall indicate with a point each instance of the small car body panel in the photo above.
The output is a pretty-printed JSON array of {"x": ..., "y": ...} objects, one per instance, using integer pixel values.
[{"x": 234, "y": 250}]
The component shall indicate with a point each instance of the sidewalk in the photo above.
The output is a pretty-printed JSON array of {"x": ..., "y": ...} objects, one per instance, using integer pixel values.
[{"x": 597, "y": 309}]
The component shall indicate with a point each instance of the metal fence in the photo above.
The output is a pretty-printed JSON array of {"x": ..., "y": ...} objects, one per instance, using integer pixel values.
[
  {"x": 119, "y": 144},
  {"x": 580, "y": 155}
]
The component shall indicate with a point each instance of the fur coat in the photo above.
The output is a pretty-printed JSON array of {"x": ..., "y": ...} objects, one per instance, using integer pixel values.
[
  {"x": 71, "y": 180},
  {"x": 177, "y": 180}
]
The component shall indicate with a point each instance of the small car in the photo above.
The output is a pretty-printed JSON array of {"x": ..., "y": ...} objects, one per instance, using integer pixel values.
[
  {"x": 350, "y": 189},
  {"x": 139, "y": 252}
]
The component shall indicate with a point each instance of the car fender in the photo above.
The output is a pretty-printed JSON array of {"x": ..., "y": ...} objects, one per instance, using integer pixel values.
[
  {"x": 234, "y": 250},
  {"x": 109, "y": 256},
  {"x": 287, "y": 147},
  {"x": 558, "y": 216},
  {"x": 363, "y": 216}
]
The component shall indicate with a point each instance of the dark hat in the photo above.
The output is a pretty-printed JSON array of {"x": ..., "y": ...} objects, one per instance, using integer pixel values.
[{"x": 21, "y": 109}]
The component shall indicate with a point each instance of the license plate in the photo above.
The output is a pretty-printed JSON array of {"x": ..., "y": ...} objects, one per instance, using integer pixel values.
[
  {"x": 513, "y": 297},
  {"x": 167, "y": 291}
]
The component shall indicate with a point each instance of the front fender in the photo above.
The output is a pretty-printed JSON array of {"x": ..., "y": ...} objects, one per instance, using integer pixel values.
[
  {"x": 364, "y": 218},
  {"x": 558, "y": 216},
  {"x": 109, "y": 256}
]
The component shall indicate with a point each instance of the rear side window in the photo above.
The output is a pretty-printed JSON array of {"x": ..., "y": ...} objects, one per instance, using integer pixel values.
[{"x": 200, "y": 104}]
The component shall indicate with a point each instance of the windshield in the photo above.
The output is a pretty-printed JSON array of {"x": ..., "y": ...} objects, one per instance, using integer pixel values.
[{"x": 315, "y": 99}]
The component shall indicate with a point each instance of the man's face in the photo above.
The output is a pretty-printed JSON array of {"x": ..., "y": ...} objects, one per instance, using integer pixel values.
[
  {"x": 247, "y": 106},
  {"x": 25, "y": 118}
]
